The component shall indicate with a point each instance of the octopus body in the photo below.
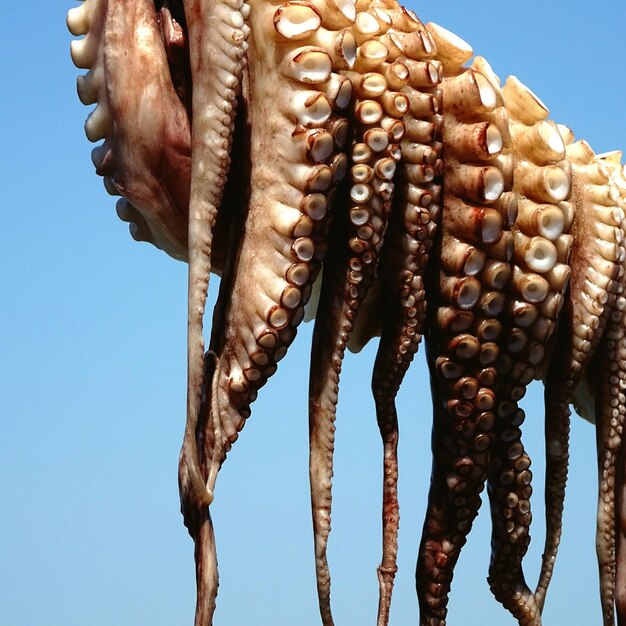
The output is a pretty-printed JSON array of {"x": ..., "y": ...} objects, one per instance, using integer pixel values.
[{"x": 343, "y": 160}]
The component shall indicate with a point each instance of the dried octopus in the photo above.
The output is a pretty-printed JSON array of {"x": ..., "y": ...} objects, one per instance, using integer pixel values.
[{"x": 388, "y": 188}]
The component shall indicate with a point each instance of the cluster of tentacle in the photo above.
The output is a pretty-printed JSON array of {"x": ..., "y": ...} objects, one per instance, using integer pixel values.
[{"x": 344, "y": 155}]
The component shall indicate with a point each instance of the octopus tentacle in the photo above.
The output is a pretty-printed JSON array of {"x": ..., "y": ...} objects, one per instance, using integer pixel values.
[
  {"x": 216, "y": 60},
  {"x": 610, "y": 403},
  {"x": 351, "y": 269},
  {"x": 461, "y": 340},
  {"x": 401, "y": 334},
  {"x": 539, "y": 280},
  {"x": 611, "y": 533},
  {"x": 404, "y": 258},
  {"x": 595, "y": 221},
  {"x": 284, "y": 239},
  {"x": 145, "y": 156},
  {"x": 198, "y": 519},
  {"x": 199, "y": 523},
  {"x": 216, "y": 67},
  {"x": 610, "y": 421}
]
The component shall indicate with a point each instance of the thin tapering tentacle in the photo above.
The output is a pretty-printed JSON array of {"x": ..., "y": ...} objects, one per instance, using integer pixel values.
[
  {"x": 596, "y": 223},
  {"x": 609, "y": 377}
]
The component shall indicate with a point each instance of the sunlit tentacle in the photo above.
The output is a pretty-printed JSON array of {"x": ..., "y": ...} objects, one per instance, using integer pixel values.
[
  {"x": 583, "y": 321},
  {"x": 539, "y": 280},
  {"x": 610, "y": 374}
]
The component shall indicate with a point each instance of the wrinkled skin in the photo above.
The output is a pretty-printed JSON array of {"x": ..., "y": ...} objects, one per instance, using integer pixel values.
[{"x": 268, "y": 142}]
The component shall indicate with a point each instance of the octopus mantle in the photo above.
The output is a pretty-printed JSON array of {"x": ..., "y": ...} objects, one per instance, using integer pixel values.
[{"x": 341, "y": 159}]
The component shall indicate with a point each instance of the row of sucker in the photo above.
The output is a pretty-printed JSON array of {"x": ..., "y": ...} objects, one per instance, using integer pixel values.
[
  {"x": 596, "y": 234},
  {"x": 356, "y": 104},
  {"x": 90, "y": 19},
  {"x": 404, "y": 258},
  {"x": 217, "y": 62},
  {"x": 152, "y": 175},
  {"x": 297, "y": 162},
  {"x": 462, "y": 338},
  {"x": 616, "y": 422},
  {"x": 608, "y": 192},
  {"x": 539, "y": 279},
  {"x": 297, "y": 134},
  {"x": 359, "y": 226}
]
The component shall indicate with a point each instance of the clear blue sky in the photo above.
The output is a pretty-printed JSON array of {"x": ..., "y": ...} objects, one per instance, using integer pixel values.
[{"x": 92, "y": 384}]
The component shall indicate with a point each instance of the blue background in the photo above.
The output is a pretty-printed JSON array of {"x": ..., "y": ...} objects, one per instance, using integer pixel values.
[{"x": 92, "y": 379}]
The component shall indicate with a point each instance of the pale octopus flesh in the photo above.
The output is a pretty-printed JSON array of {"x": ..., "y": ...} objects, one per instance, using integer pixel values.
[{"x": 268, "y": 141}]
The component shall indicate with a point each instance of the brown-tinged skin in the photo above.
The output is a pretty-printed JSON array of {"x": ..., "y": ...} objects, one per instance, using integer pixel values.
[
  {"x": 216, "y": 61},
  {"x": 384, "y": 86},
  {"x": 611, "y": 546},
  {"x": 404, "y": 259},
  {"x": 402, "y": 266},
  {"x": 140, "y": 76},
  {"x": 536, "y": 295},
  {"x": 216, "y": 65},
  {"x": 281, "y": 245},
  {"x": 138, "y": 68},
  {"x": 196, "y": 514},
  {"x": 267, "y": 232},
  {"x": 347, "y": 277},
  {"x": 509, "y": 492},
  {"x": 360, "y": 221},
  {"x": 610, "y": 412},
  {"x": 463, "y": 327},
  {"x": 583, "y": 323},
  {"x": 146, "y": 153},
  {"x": 284, "y": 237},
  {"x": 611, "y": 355}
]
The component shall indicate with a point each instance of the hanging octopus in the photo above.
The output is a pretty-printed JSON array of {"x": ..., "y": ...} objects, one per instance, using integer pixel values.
[{"x": 342, "y": 160}]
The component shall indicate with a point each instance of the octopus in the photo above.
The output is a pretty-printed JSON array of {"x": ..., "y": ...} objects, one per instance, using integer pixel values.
[{"x": 342, "y": 161}]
